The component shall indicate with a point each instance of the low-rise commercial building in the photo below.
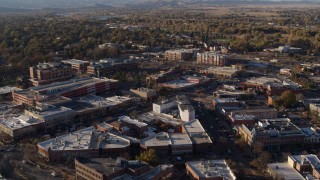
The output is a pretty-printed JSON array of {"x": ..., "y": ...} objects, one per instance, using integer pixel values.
[
  {"x": 160, "y": 142},
  {"x": 145, "y": 93},
  {"x": 16, "y": 124},
  {"x": 137, "y": 126},
  {"x": 209, "y": 170},
  {"x": 162, "y": 77},
  {"x": 69, "y": 89},
  {"x": 283, "y": 171},
  {"x": 200, "y": 139},
  {"x": 47, "y": 73},
  {"x": 119, "y": 169},
  {"x": 273, "y": 134},
  {"x": 168, "y": 143},
  {"x": 212, "y": 58},
  {"x": 53, "y": 116},
  {"x": 6, "y": 92},
  {"x": 88, "y": 142},
  {"x": 297, "y": 167},
  {"x": 221, "y": 71}
]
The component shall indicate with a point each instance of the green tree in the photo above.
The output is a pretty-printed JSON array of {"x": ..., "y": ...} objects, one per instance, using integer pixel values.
[
  {"x": 149, "y": 156},
  {"x": 287, "y": 99}
]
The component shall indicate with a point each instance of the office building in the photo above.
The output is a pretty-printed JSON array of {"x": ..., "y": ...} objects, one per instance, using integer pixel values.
[
  {"x": 47, "y": 73},
  {"x": 107, "y": 67},
  {"x": 78, "y": 66}
]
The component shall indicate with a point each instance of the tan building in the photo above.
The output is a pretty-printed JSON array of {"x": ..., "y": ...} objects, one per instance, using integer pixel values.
[
  {"x": 179, "y": 54},
  {"x": 212, "y": 58},
  {"x": 297, "y": 167},
  {"x": 144, "y": 93},
  {"x": 273, "y": 134},
  {"x": 200, "y": 139},
  {"x": 47, "y": 73},
  {"x": 209, "y": 170}
]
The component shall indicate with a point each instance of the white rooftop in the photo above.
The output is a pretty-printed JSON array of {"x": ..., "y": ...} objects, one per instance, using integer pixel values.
[
  {"x": 132, "y": 121},
  {"x": 75, "y": 61},
  {"x": 285, "y": 171},
  {"x": 212, "y": 168},
  {"x": 152, "y": 116},
  {"x": 88, "y": 138},
  {"x": 8, "y": 89},
  {"x": 107, "y": 102},
  {"x": 264, "y": 81},
  {"x": 17, "y": 121}
]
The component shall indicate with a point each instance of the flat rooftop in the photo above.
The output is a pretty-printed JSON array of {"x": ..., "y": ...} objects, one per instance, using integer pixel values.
[
  {"x": 285, "y": 171},
  {"x": 52, "y": 111},
  {"x": 277, "y": 127},
  {"x": 60, "y": 87},
  {"x": 228, "y": 70},
  {"x": 212, "y": 168},
  {"x": 8, "y": 89},
  {"x": 183, "y": 50},
  {"x": 18, "y": 120},
  {"x": 88, "y": 138},
  {"x": 243, "y": 117},
  {"x": 75, "y": 61},
  {"x": 194, "y": 126},
  {"x": 152, "y": 116},
  {"x": 179, "y": 139},
  {"x": 179, "y": 83},
  {"x": 132, "y": 121},
  {"x": 225, "y": 100},
  {"x": 264, "y": 81},
  {"x": 103, "y": 102},
  {"x": 196, "y": 132},
  {"x": 160, "y": 139}
]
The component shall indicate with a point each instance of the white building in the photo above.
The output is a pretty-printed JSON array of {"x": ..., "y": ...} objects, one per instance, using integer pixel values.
[{"x": 163, "y": 105}]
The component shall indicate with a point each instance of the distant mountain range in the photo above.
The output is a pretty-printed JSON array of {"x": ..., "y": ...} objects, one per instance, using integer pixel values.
[{"x": 40, "y": 4}]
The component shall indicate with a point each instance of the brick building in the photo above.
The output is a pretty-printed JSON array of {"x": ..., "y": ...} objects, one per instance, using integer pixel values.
[
  {"x": 47, "y": 73},
  {"x": 78, "y": 66}
]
